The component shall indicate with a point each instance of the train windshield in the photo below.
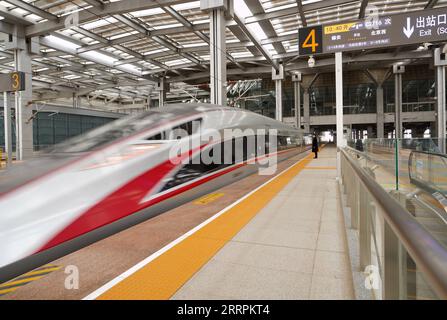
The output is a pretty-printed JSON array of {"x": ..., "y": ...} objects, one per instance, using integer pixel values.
[{"x": 112, "y": 131}]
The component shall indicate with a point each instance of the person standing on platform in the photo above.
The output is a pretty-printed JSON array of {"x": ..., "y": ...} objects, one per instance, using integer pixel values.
[{"x": 315, "y": 145}]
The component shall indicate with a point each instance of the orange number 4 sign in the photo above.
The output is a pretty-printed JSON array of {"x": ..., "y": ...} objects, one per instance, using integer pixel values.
[{"x": 310, "y": 40}]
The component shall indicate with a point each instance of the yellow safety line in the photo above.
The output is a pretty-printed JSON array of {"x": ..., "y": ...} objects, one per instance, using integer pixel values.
[
  {"x": 40, "y": 271},
  {"x": 163, "y": 276},
  {"x": 4, "y": 291},
  {"x": 12, "y": 283}
]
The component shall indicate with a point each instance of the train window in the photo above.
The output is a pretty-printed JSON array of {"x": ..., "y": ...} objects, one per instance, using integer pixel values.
[
  {"x": 197, "y": 167},
  {"x": 193, "y": 170},
  {"x": 179, "y": 131},
  {"x": 158, "y": 136}
]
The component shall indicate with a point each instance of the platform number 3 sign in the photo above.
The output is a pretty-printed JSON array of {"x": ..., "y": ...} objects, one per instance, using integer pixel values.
[{"x": 310, "y": 40}]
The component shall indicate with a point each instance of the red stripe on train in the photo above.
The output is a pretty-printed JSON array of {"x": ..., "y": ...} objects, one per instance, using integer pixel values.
[
  {"x": 127, "y": 200},
  {"x": 119, "y": 204}
]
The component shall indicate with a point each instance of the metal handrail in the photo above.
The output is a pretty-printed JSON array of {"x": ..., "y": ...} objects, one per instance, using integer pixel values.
[
  {"x": 423, "y": 184},
  {"x": 429, "y": 255},
  {"x": 442, "y": 155}
]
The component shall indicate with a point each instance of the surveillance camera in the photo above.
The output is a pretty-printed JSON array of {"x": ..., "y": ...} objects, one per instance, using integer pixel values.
[{"x": 311, "y": 62}]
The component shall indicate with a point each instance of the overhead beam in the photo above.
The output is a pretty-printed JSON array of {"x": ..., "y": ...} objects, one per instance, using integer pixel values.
[
  {"x": 294, "y": 10},
  {"x": 161, "y": 32},
  {"x": 13, "y": 18},
  {"x": 255, "y": 41},
  {"x": 33, "y": 9},
  {"x": 6, "y": 27},
  {"x": 356, "y": 62},
  {"x": 94, "y": 13},
  {"x": 363, "y": 6},
  {"x": 114, "y": 85},
  {"x": 173, "y": 13},
  {"x": 431, "y": 4},
  {"x": 50, "y": 44},
  {"x": 299, "y": 4}
]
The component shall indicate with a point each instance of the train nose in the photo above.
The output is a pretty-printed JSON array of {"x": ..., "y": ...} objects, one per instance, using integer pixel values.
[{"x": 21, "y": 173}]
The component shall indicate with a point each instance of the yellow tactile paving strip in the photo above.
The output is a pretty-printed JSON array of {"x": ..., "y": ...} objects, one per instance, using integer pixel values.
[
  {"x": 163, "y": 276},
  {"x": 31, "y": 276},
  {"x": 208, "y": 198}
]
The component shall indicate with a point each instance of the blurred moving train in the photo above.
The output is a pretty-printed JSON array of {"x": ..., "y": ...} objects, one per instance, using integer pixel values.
[{"x": 121, "y": 174}]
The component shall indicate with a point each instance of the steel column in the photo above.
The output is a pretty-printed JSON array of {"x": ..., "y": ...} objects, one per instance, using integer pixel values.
[
  {"x": 306, "y": 110},
  {"x": 278, "y": 77},
  {"x": 440, "y": 85},
  {"x": 339, "y": 106},
  {"x": 161, "y": 98},
  {"x": 398, "y": 105},
  {"x": 8, "y": 129},
  {"x": 278, "y": 98},
  {"x": 296, "y": 79},
  {"x": 339, "y": 98},
  {"x": 398, "y": 70},
  {"x": 23, "y": 109},
  {"x": 218, "y": 68},
  {"x": 380, "y": 112},
  {"x": 162, "y": 87}
]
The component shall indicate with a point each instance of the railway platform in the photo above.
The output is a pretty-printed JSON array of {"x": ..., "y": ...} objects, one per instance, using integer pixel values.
[{"x": 282, "y": 240}]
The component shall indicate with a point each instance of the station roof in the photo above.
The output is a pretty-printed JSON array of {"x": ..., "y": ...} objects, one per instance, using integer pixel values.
[{"x": 119, "y": 49}]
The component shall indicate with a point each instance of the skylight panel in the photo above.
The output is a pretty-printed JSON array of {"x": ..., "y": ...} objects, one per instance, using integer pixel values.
[
  {"x": 166, "y": 26},
  {"x": 243, "y": 11},
  {"x": 99, "y": 23},
  {"x": 125, "y": 34},
  {"x": 148, "y": 12},
  {"x": 286, "y": 6},
  {"x": 186, "y": 6}
]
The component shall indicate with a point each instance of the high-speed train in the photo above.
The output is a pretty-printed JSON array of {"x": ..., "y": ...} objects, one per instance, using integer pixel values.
[{"x": 125, "y": 172}]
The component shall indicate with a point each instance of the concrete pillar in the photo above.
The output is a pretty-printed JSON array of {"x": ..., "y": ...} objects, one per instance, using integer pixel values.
[
  {"x": 339, "y": 98},
  {"x": 369, "y": 130},
  {"x": 23, "y": 108},
  {"x": 380, "y": 113},
  {"x": 148, "y": 102},
  {"x": 7, "y": 128},
  {"x": 306, "y": 110},
  {"x": 398, "y": 70},
  {"x": 76, "y": 101},
  {"x": 162, "y": 87},
  {"x": 306, "y": 83},
  {"x": 440, "y": 63},
  {"x": 218, "y": 68},
  {"x": 161, "y": 98},
  {"x": 296, "y": 79},
  {"x": 379, "y": 76},
  {"x": 278, "y": 76}
]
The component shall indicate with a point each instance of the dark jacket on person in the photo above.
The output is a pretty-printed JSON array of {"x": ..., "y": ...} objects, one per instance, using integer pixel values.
[
  {"x": 359, "y": 145},
  {"x": 314, "y": 144}
]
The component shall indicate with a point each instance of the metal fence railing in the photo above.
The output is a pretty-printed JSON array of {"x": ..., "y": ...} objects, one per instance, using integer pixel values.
[{"x": 407, "y": 260}]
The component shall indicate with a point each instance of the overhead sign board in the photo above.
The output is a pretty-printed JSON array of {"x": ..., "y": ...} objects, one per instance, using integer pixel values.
[
  {"x": 310, "y": 40},
  {"x": 14, "y": 81},
  {"x": 378, "y": 32}
]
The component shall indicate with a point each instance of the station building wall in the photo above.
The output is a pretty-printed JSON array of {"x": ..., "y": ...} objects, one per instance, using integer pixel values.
[
  {"x": 50, "y": 128},
  {"x": 359, "y": 94}
]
